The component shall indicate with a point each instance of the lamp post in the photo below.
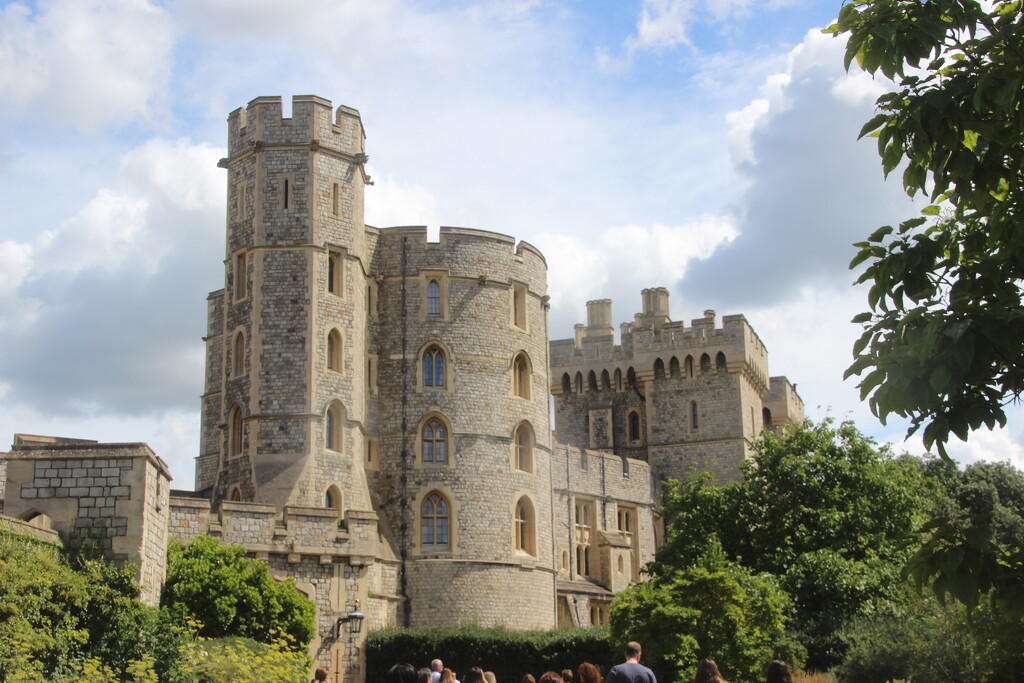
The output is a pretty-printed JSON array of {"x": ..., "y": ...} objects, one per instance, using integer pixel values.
[{"x": 354, "y": 619}]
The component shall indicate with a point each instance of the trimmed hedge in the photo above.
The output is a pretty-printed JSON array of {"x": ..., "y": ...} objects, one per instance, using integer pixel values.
[{"x": 509, "y": 654}]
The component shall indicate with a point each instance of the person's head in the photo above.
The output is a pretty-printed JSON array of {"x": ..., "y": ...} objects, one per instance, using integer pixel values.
[
  {"x": 528, "y": 678},
  {"x": 550, "y": 677},
  {"x": 401, "y": 673},
  {"x": 707, "y": 672},
  {"x": 447, "y": 676},
  {"x": 474, "y": 675},
  {"x": 490, "y": 677},
  {"x": 423, "y": 675},
  {"x": 588, "y": 673},
  {"x": 567, "y": 675},
  {"x": 632, "y": 650},
  {"x": 437, "y": 665},
  {"x": 778, "y": 672},
  {"x": 320, "y": 674}
]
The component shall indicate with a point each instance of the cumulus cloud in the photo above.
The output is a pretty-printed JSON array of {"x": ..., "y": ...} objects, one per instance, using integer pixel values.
[
  {"x": 392, "y": 202},
  {"x": 115, "y": 294},
  {"x": 85, "y": 64},
  {"x": 812, "y": 188}
]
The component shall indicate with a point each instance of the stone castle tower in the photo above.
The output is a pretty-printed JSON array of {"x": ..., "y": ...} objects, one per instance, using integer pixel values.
[{"x": 356, "y": 368}]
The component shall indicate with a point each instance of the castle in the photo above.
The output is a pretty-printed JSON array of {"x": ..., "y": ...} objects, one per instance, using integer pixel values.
[{"x": 376, "y": 413}]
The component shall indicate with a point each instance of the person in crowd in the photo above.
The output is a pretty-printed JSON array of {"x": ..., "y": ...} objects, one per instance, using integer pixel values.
[
  {"x": 448, "y": 676},
  {"x": 588, "y": 673},
  {"x": 423, "y": 676},
  {"x": 490, "y": 677},
  {"x": 436, "y": 667},
  {"x": 707, "y": 672},
  {"x": 320, "y": 675},
  {"x": 631, "y": 671},
  {"x": 778, "y": 672},
  {"x": 567, "y": 675},
  {"x": 401, "y": 673},
  {"x": 528, "y": 678},
  {"x": 475, "y": 675},
  {"x": 550, "y": 677}
]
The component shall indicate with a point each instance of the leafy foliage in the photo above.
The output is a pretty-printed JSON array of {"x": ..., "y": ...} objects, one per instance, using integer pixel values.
[
  {"x": 509, "y": 654},
  {"x": 821, "y": 509},
  {"x": 714, "y": 608},
  {"x": 941, "y": 344},
  {"x": 231, "y": 595},
  {"x": 243, "y": 660}
]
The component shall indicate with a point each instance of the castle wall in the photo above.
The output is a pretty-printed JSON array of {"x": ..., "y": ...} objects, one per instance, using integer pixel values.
[{"x": 114, "y": 495}]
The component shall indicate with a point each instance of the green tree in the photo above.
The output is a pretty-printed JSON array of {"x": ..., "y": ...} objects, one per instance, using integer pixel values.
[
  {"x": 941, "y": 341},
  {"x": 941, "y": 345},
  {"x": 819, "y": 507},
  {"x": 232, "y": 595},
  {"x": 713, "y": 608}
]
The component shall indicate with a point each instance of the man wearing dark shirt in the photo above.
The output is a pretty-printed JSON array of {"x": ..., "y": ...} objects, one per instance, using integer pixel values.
[{"x": 632, "y": 671}]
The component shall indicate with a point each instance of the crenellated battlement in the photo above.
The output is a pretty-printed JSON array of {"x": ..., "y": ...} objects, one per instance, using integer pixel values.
[{"x": 313, "y": 124}]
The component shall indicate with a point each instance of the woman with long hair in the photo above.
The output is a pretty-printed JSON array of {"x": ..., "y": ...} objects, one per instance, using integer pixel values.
[
  {"x": 588, "y": 673},
  {"x": 707, "y": 672}
]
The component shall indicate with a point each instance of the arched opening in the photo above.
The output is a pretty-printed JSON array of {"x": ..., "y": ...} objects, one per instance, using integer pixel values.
[
  {"x": 333, "y": 423},
  {"x": 705, "y": 364},
  {"x": 592, "y": 382},
  {"x": 618, "y": 379},
  {"x": 333, "y": 500},
  {"x": 521, "y": 376},
  {"x": 434, "y": 439},
  {"x": 434, "y": 522},
  {"x": 673, "y": 367},
  {"x": 566, "y": 383},
  {"x": 524, "y": 447},
  {"x": 525, "y": 527},
  {"x": 579, "y": 382},
  {"x": 720, "y": 364},
  {"x": 631, "y": 378},
  {"x": 334, "y": 351},
  {"x": 633, "y": 433},
  {"x": 689, "y": 367},
  {"x": 433, "y": 366},
  {"x": 433, "y": 298},
  {"x": 235, "y": 494},
  {"x": 766, "y": 418},
  {"x": 659, "y": 369},
  {"x": 238, "y": 355},
  {"x": 235, "y": 431},
  {"x": 606, "y": 382}
]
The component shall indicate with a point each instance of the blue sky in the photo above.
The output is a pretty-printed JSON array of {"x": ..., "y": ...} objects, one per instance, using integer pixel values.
[{"x": 707, "y": 146}]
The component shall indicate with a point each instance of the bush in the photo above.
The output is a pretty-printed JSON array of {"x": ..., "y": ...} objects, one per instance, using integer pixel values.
[{"x": 509, "y": 654}]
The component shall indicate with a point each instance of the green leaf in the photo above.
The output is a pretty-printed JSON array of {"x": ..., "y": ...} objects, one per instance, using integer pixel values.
[{"x": 931, "y": 210}]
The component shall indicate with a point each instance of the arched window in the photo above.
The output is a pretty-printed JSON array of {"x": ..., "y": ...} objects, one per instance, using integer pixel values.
[
  {"x": 334, "y": 351},
  {"x": 689, "y": 367},
  {"x": 631, "y": 378},
  {"x": 332, "y": 500},
  {"x": 235, "y": 433},
  {"x": 525, "y": 527},
  {"x": 238, "y": 361},
  {"x": 524, "y": 447},
  {"x": 521, "y": 376},
  {"x": 606, "y": 382},
  {"x": 433, "y": 367},
  {"x": 766, "y": 417},
  {"x": 618, "y": 379},
  {"x": 705, "y": 364},
  {"x": 435, "y": 441},
  {"x": 720, "y": 364},
  {"x": 634, "y": 435},
  {"x": 659, "y": 369},
  {"x": 592, "y": 381},
  {"x": 694, "y": 416},
  {"x": 433, "y": 298},
  {"x": 332, "y": 427},
  {"x": 334, "y": 272},
  {"x": 434, "y": 522},
  {"x": 579, "y": 382},
  {"x": 566, "y": 383},
  {"x": 235, "y": 494},
  {"x": 673, "y": 367}
]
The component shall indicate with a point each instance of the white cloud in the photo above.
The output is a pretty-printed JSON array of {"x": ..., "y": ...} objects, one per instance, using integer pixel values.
[
  {"x": 390, "y": 202},
  {"x": 85, "y": 64}
]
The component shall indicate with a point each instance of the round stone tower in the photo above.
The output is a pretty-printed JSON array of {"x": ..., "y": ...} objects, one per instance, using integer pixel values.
[{"x": 463, "y": 471}]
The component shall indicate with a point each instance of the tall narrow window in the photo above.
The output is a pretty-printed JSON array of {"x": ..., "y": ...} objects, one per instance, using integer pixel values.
[
  {"x": 235, "y": 494},
  {"x": 633, "y": 428},
  {"x": 673, "y": 367},
  {"x": 238, "y": 359},
  {"x": 524, "y": 448},
  {"x": 435, "y": 442},
  {"x": 332, "y": 427},
  {"x": 334, "y": 351},
  {"x": 433, "y": 298},
  {"x": 694, "y": 417},
  {"x": 705, "y": 364},
  {"x": 689, "y": 367},
  {"x": 519, "y": 306},
  {"x": 521, "y": 376},
  {"x": 720, "y": 364},
  {"x": 584, "y": 515},
  {"x": 434, "y": 521},
  {"x": 335, "y": 198},
  {"x": 235, "y": 433},
  {"x": 592, "y": 382},
  {"x": 332, "y": 500},
  {"x": 241, "y": 284},
  {"x": 335, "y": 267},
  {"x": 287, "y": 193},
  {"x": 433, "y": 367},
  {"x": 766, "y": 418},
  {"x": 524, "y": 527}
]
